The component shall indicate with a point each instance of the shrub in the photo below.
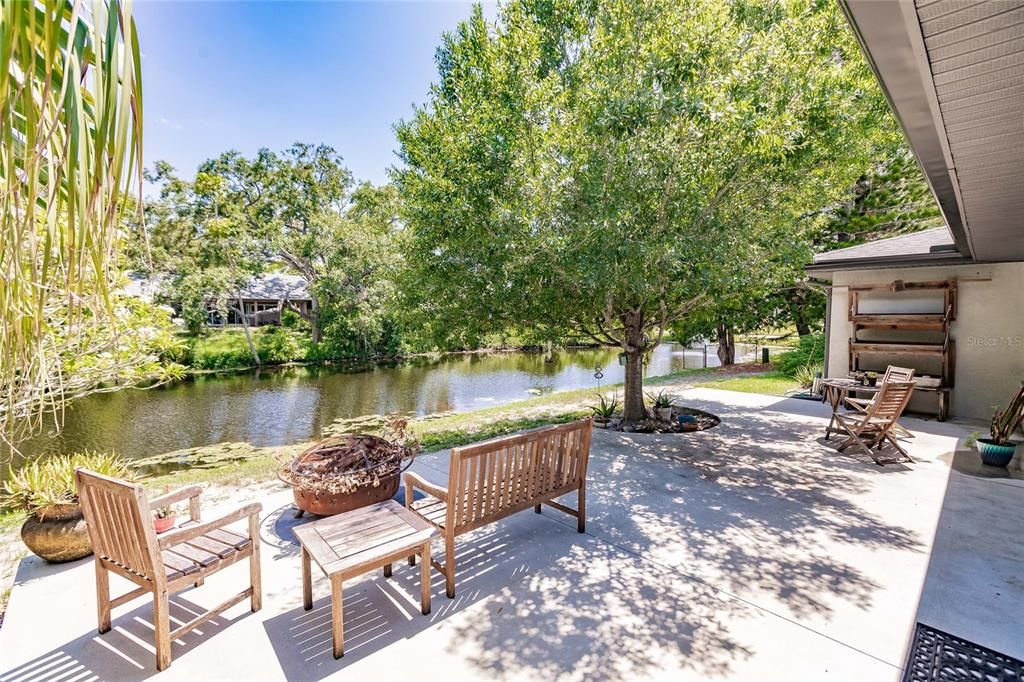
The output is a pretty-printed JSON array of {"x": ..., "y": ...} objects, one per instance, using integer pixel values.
[
  {"x": 810, "y": 353},
  {"x": 277, "y": 344},
  {"x": 45, "y": 487},
  {"x": 805, "y": 375},
  {"x": 605, "y": 409}
]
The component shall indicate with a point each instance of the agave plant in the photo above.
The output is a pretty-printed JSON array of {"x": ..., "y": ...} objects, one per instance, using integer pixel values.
[
  {"x": 46, "y": 488},
  {"x": 660, "y": 400},
  {"x": 70, "y": 149},
  {"x": 605, "y": 409}
]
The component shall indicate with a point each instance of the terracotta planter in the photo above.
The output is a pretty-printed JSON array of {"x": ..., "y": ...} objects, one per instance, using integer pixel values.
[
  {"x": 162, "y": 525},
  {"x": 330, "y": 504},
  {"x": 57, "y": 538}
]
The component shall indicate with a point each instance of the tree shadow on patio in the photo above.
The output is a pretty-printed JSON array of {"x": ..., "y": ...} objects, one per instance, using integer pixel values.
[
  {"x": 124, "y": 653},
  {"x": 534, "y": 598}
]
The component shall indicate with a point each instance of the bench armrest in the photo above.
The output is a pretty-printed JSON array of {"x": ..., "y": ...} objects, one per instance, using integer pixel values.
[
  {"x": 416, "y": 481},
  {"x": 190, "y": 493},
  {"x": 251, "y": 511}
]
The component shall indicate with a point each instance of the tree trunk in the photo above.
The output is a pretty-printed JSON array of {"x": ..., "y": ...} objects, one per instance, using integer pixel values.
[
  {"x": 726, "y": 346},
  {"x": 245, "y": 328},
  {"x": 549, "y": 351},
  {"x": 314, "y": 320},
  {"x": 633, "y": 409}
]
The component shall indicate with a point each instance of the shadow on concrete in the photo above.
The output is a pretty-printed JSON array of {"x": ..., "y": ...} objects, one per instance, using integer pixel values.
[
  {"x": 547, "y": 612},
  {"x": 677, "y": 526},
  {"x": 974, "y": 587},
  {"x": 125, "y": 653}
]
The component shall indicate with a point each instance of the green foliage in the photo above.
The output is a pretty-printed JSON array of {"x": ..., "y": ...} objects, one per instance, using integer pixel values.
[
  {"x": 612, "y": 168},
  {"x": 660, "y": 400},
  {"x": 42, "y": 487},
  {"x": 810, "y": 354},
  {"x": 432, "y": 441},
  {"x": 605, "y": 408},
  {"x": 805, "y": 374},
  {"x": 764, "y": 384},
  {"x": 241, "y": 217},
  {"x": 70, "y": 141},
  {"x": 889, "y": 199},
  {"x": 227, "y": 349}
]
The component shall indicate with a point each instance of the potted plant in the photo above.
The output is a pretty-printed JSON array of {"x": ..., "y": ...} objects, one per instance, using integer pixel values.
[
  {"x": 605, "y": 410},
  {"x": 45, "y": 491},
  {"x": 998, "y": 450},
  {"x": 870, "y": 378},
  {"x": 164, "y": 518},
  {"x": 346, "y": 472},
  {"x": 662, "y": 405}
]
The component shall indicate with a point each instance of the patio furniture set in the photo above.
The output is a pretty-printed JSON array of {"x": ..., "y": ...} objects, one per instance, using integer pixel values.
[
  {"x": 486, "y": 482},
  {"x": 872, "y": 423}
]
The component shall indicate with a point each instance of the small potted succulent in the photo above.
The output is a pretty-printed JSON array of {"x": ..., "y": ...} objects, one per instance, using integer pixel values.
[
  {"x": 605, "y": 410},
  {"x": 662, "y": 405},
  {"x": 164, "y": 518},
  {"x": 870, "y": 378},
  {"x": 998, "y": 450},
  {"x": 45, "y": 491}
]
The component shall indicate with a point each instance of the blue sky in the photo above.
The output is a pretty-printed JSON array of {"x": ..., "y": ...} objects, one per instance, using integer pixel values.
[{"x": 245, "y": 75}]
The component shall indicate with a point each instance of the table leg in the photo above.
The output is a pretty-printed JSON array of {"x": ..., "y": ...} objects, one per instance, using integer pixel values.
[
  {"x": 425, "y": 578},
  {"x": 337, "y": 617},
  {"x": 832, "y": 394},
  {"x": 307, "y": 582}
]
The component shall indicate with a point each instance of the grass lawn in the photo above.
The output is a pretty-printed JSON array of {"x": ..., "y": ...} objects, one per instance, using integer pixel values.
[{"x": 770, "y": 383}]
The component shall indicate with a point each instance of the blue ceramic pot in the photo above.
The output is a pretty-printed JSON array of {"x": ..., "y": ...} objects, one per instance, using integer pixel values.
[{"x": 995, "y": 454}]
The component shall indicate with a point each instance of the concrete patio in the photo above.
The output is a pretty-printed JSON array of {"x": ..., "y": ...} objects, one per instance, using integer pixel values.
[{"x": 751, "y": 551}]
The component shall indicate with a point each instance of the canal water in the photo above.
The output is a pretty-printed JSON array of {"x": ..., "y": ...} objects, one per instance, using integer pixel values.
[{"x": 291, "y": 404}]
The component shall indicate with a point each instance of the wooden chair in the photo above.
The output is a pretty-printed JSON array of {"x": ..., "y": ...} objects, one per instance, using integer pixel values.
[
  {"x": 872, "y": 429},
  {"x": 491, "y": 480},
  {"x": 120, "y": 525},
  {"x": 892, "y": 374}
]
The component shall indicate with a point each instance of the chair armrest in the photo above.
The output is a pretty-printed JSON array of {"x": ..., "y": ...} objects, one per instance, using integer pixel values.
[
  {"x": 416, "y": 481},
  {"x": 190, "y": 493},
  {"x": 191, "y": 532}
]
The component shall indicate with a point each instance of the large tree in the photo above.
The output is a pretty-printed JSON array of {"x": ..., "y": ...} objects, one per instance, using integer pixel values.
[
  {"x": 608, "y": 168},
  {"x": 304, "y": 210}
]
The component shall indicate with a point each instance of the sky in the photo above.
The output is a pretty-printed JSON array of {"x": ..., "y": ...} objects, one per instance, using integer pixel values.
[{"x": 244, "y": 75}]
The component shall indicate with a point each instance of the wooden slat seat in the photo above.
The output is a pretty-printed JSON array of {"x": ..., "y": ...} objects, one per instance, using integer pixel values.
[
  {"x": 119, "y": 518},
  {"x": 431, "y": 509},
  {"x": 495, "y": 479}
]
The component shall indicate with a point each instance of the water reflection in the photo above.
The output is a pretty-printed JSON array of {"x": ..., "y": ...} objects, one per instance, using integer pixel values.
[{"x": 283, "y": 406}]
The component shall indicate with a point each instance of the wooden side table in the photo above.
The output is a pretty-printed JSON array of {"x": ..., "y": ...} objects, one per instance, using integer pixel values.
[{"x": 360, "y": 541}]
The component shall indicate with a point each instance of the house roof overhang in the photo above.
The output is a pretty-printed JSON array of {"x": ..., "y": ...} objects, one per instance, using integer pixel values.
[{"x": 953, "y": 72}]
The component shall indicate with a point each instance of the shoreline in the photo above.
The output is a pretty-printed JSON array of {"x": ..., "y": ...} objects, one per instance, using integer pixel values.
[{"x": 237, "y": 465}]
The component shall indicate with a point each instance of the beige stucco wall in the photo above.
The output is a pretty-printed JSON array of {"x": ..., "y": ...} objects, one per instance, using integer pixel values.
[{"x": 988, "y": 330}]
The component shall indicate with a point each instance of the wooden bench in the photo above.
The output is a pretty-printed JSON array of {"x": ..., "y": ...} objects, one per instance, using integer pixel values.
[{"x": 497, "y": 478}]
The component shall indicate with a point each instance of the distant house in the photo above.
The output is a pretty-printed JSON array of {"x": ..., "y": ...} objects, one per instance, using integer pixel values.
[{"x": 263, "y": 298}]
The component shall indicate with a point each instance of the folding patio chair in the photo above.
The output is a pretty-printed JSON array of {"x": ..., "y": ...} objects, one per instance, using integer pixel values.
[
  {"x": 892, "y": 373},
  {"x": 872, "y": 429}
]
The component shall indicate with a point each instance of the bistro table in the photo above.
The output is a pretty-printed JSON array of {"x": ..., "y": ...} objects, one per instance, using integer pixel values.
[
  {"x": 835, "y": 391},
  {"x": 359, "y": 541}
]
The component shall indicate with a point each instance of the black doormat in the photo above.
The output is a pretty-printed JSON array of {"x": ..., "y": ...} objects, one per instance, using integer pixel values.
[{"x": 937, "y": 656}]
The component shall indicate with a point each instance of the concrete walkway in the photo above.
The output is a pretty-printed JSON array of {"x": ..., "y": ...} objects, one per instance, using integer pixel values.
[{"x": 749, "y": 552}]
